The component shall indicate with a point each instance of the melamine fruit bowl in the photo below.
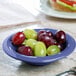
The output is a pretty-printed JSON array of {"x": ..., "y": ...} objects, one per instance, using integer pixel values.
[{"x": 10, "y": 50}]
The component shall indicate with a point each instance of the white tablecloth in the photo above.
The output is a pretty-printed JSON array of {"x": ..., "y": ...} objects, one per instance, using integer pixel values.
[{"x": 13, "y": 13}]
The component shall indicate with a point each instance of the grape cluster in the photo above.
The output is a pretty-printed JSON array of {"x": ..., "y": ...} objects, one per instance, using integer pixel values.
[{"x": 41, "y": 43}]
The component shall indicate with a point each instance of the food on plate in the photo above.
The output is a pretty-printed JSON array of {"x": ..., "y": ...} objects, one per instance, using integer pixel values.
[
  {"x": 39, "y": 43},
  {"x": 63, "y": 5}
]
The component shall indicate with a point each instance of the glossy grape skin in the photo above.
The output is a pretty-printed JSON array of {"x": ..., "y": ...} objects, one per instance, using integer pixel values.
[
  {"x": 41, "y": 31},
  {"x": 41, "y": 36},
  {"x": 62, "y": 46},
  {"x": 53, "y": 49},
  {"x": 46, "y": 33},
  {"x": 60, "y": 36},
  {"x": 18, "y": 38},
  {"x": 40, "y": 49},
  {"x": 25, "y": 50},
  {"x": 47, "y": 40},
  {"x": 30, "y": 33},
  {"x": 30, "y": 42}
]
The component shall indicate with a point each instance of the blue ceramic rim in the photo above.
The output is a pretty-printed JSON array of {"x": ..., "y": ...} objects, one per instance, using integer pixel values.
[{"x": 35, "y": 59}]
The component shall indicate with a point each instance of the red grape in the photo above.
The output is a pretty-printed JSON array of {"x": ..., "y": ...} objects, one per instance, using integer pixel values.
[
  {"x": 41, "y": 31},
  {"x": 60, "y": 36},
  {"x": 47, "y": 40},
  {"x": 25, "y": 50},
  {"x": 41, "y": 36},
  {"x": 18, "y": 38},
  {"x": 50, "y": 34}
]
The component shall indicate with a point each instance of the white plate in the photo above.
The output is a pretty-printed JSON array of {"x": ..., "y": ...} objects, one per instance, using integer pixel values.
[{"x": 46, "y": 8}]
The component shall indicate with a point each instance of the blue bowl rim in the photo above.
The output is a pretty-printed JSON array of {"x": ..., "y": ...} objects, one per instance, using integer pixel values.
[{"x": 34, "y": 59}]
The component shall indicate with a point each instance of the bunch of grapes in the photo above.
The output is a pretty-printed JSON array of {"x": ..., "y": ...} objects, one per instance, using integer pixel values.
[{"x": 41, "y": 43}]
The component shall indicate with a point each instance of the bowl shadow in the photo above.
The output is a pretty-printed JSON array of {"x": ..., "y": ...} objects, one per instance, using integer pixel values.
[{"x": 24, "y": 67}]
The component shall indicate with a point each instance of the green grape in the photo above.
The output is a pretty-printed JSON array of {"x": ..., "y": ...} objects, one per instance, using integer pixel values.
[
  {"x": 24, "y": 42},
  {"x": 40, "y": 49},
  {"x": 30, "y": 42},
  {"x": 53, "y": 49},
  {"x": 30, "y": 34}
]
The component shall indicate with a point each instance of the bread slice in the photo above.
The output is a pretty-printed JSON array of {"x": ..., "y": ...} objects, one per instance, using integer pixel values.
[{"x": 59, "y": 7}]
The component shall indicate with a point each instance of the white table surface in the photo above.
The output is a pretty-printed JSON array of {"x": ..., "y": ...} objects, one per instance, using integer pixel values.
[
  {"x": 13, "y": 13},
  {"x": 12, "y": 67}
]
